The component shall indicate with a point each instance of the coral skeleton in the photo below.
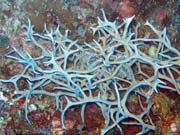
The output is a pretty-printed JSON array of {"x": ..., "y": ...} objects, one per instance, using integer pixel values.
[{"x": 102, "y": 72}]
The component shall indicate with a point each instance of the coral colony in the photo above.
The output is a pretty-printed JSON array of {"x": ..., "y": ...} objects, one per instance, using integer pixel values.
[{"x": 107, "y": 72}]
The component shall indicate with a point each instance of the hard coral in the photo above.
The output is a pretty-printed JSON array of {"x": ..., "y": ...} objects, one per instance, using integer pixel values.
[{"x": 101, "y": 72}]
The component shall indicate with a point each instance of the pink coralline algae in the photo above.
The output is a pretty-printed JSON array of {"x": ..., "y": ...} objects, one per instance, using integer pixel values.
[
  {"x": 161, "y": 14},
  {"x": 127, "y": 8}
]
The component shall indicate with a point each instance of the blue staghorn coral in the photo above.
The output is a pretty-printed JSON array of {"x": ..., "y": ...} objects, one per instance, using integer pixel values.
[{"x": 107, "y": 66}]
